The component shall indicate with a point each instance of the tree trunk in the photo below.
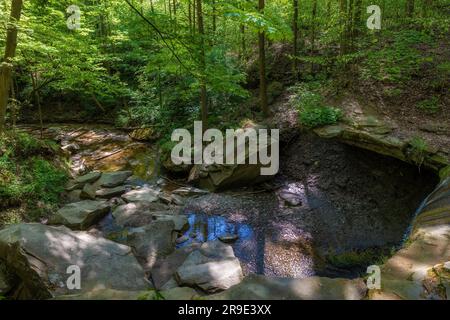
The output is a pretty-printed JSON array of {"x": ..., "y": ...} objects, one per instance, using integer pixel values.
[
  {"x": 203, "y": 93},
  {"x": 37, "y": 99},
  {"x": 243, "y": 43},
  {"x": 313, "y": 27},
  {"x": 13, "y": 104},
  {"x": 349, "y": 33},
  {"x": 6, "y": 65},
  {"x": 214, "y": 16},
  {"x": 357, "y": 18},
  {"x": 410, "y": 8},
  {"x": 342, "y": 19},
  {"x": 295, "y": 44},
  {"x": 262, "y": 67}
]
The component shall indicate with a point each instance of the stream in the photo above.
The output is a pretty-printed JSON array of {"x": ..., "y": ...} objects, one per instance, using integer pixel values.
[{"x": 329, "y": 200}]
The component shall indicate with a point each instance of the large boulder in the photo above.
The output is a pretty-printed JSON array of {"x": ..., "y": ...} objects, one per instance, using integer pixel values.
[
  {"x": 164, "y": 269},
  {"x": 212, "y": 268},
  {"x": 40, "y": 256},
  {"x": 81, "y": 215},
  {"x": 258, "y": 287},
  {"x": 217, "y": 177},
  {"x": 6, "y": 279},
  {"x": 152, "y": 242},
  {"x": 113, "y": 179}
]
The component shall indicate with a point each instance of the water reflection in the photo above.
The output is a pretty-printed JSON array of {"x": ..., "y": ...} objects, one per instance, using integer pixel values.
[{"x": 258, "y": 250}]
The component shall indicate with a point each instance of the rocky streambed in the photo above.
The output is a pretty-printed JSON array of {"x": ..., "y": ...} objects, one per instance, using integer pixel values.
[{"x": 329, "y": 204}]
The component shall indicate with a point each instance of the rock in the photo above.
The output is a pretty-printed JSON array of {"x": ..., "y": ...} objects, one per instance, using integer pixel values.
[
  {"x": 182, "y": 239},
  {"x": 81, "y": 215},
  {"x": 212, "y": 268},
  {"x": 178, "y": 200},
  {"x": 174, "y": 168},
  {"x": 165, "y": 197},
  {"x": 89, "y": 178},
  {"x": 447, "y": 266},
  {"x": 73, "y": 196},
  {"x": 228, "y": 238},
  {"x": 136, "y": 214},
  {"x": 114, "y": 179},
  {"x": 189, "y": 192},
  {"x": 164, "y": 269},
  {"x": 6, "y": 281},
  {"x": 40, "y": 255},
  {"x": 180, "y": 294},
  {"x": 88, "y": 192},
  {"x": 133, "y": 181},
  {"x": 256, "y": 287},
  {"x": 172, "y": 283},
  {"x": 108, "y": 193},
  {"x": 152, "y": 242},
  {"x": 72, "y": 147},
  {"x": 144, "y": 134},
  {"x": 404, "y": 274},
  {"x": 145, "y": 194},
  {"x": 73, "y": 185},
  {"x": 116, "y": 202},
  {"x": 181, "y": 222},
  {"x": 291, "y": 199},
  {"x": 220, "y": 177}
]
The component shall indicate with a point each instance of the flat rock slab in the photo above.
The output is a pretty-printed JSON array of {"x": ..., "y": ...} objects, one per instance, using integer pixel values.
[
  {"x": 88, "y": 192},
  {"x": 108, "y": 193},
  {"x": 136, "y": 214},
  {"x": 40, "y": 255},
  {"x": 212, "y": 268},
  {"x": 144, "y": 194},
  {"x": 114, "y": 179},
  {"x": 89, "y": 178},
  {"x": 81, "y": 215},
  {"x": 152, "y": 242},
  {"x": 257, "y": 287}
]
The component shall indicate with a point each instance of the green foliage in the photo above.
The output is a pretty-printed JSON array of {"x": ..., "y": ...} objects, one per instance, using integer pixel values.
[
  {"x": 151, "y": 295},
  {"x": 399, "y": 59},
  {"x": 429, "y": 106},
  {"x": 312, "y": 110},
  {"x": 26, "y": 176},
  {"x": 418, "y": 150}
]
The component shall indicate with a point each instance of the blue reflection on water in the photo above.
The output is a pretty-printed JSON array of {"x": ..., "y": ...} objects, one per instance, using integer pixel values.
[{"x": 210, "y": 228}]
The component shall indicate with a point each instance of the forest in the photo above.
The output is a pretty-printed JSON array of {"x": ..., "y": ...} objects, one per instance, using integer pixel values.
[{"x": 91, "y": 92}]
